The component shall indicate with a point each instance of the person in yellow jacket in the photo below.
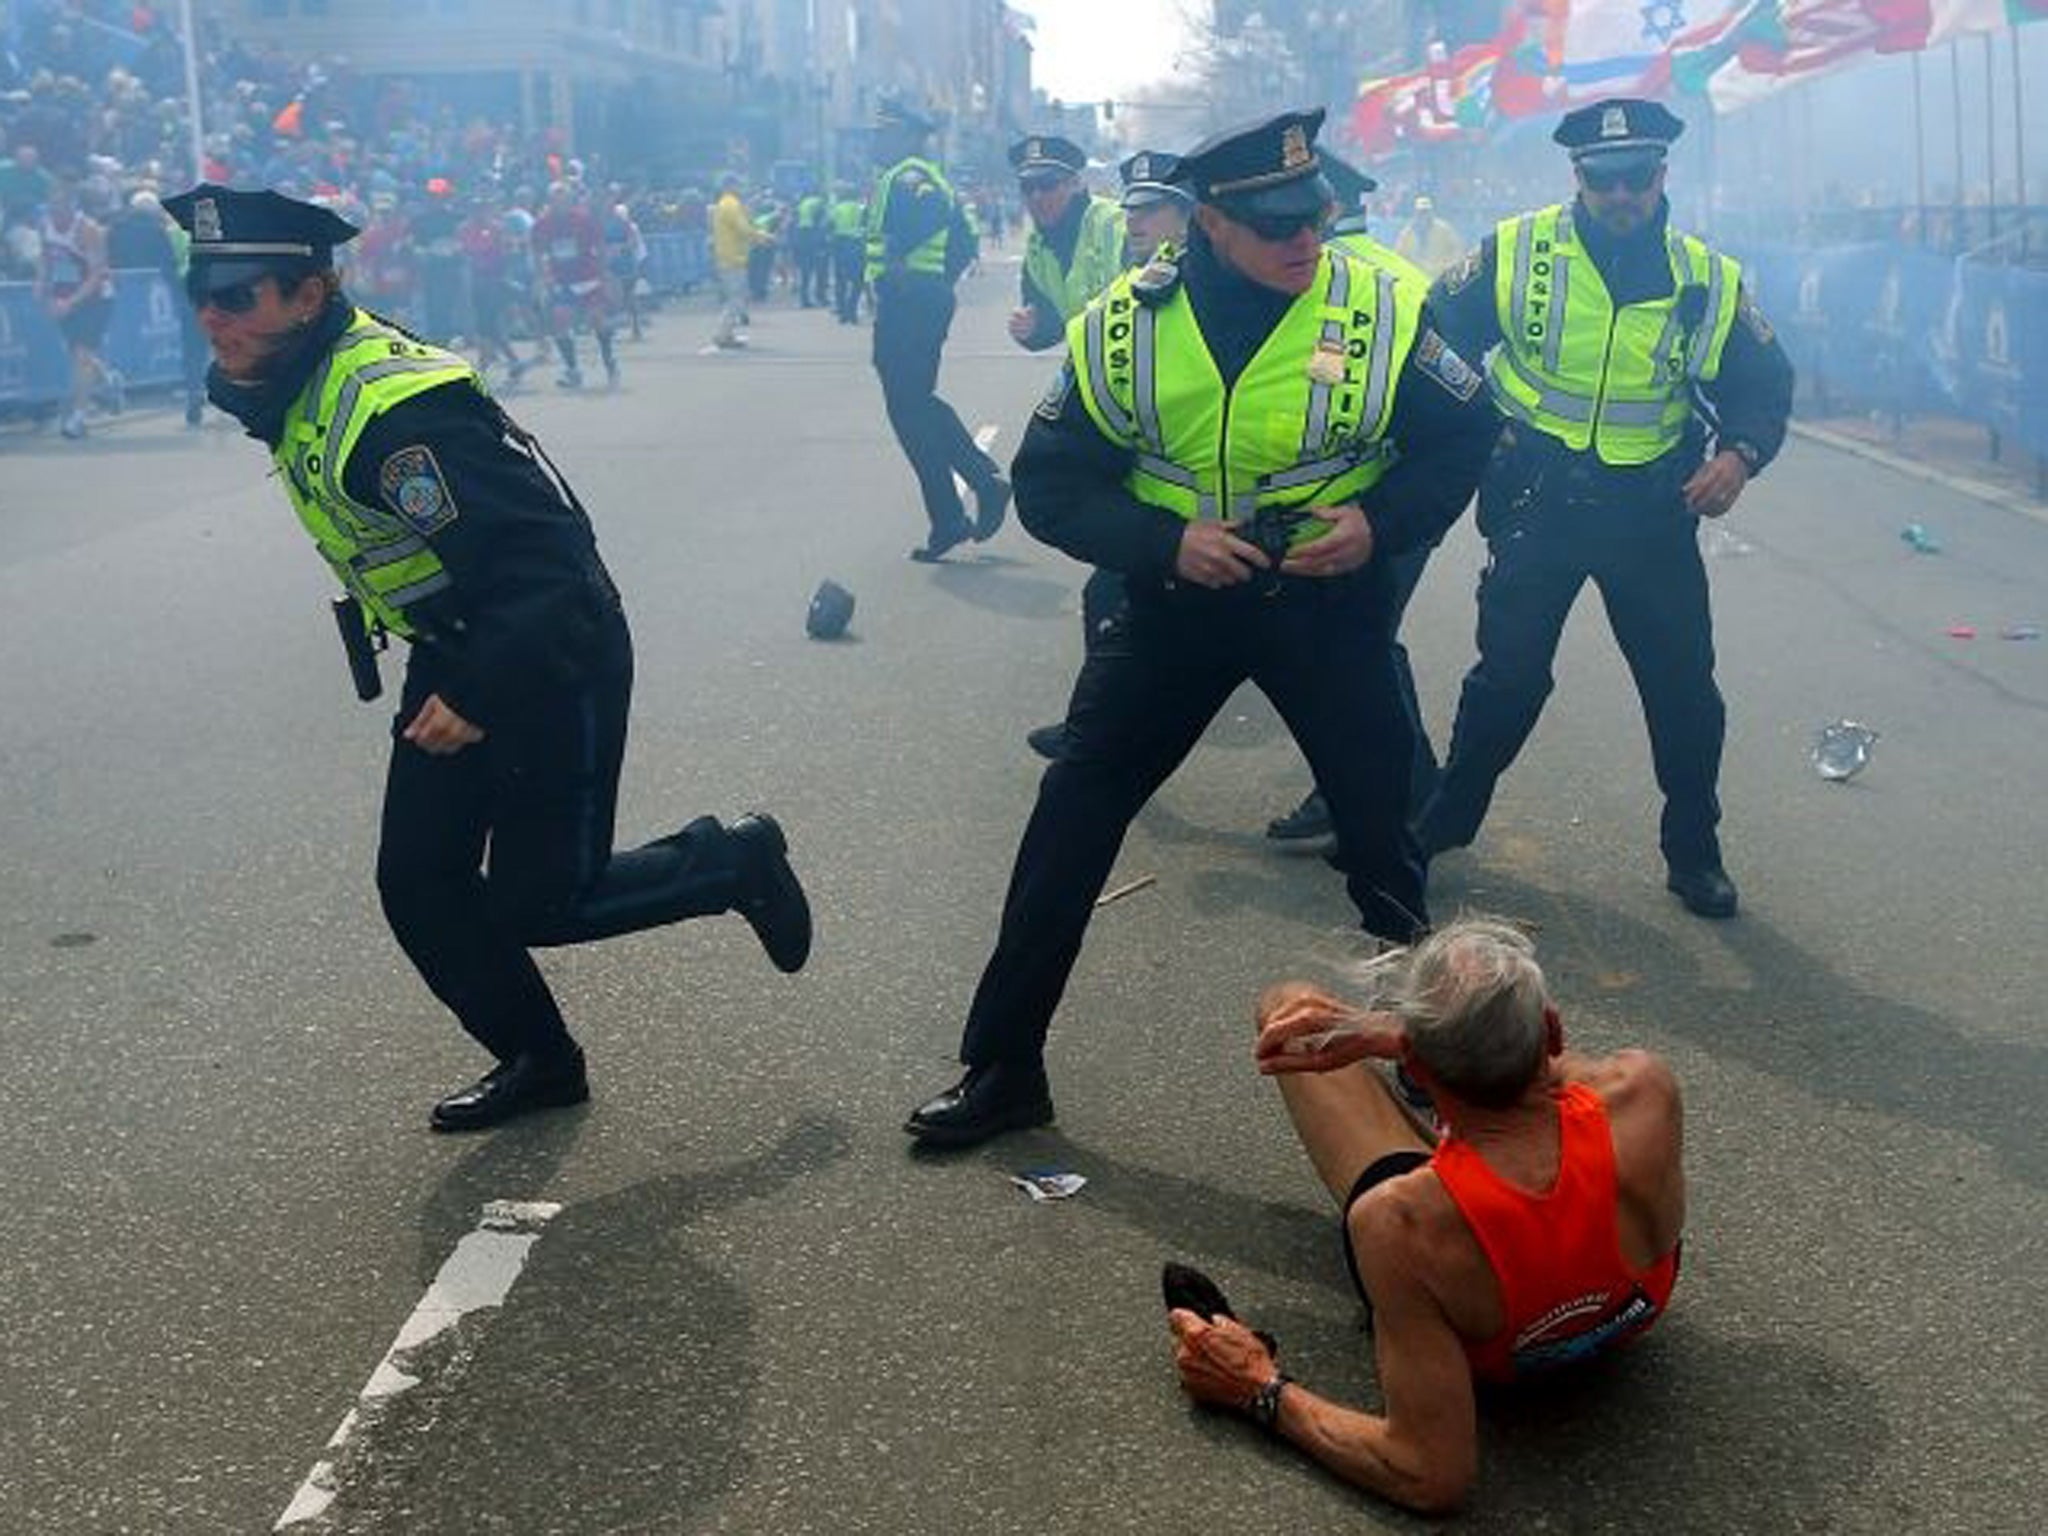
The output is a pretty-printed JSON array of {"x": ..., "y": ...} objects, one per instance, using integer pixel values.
[
  {"x": 1432, "y": 243},
  {"x": 446, "y": 526},
  {"x": 734, "y": 237},
  {"x": 1249, "y": 435},
  {"x": 1643, "y": 390},
  {"x": 1076, "y": 243}
]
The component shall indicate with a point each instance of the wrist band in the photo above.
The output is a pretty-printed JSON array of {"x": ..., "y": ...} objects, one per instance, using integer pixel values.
[{"x": 1264, "y": 1408}]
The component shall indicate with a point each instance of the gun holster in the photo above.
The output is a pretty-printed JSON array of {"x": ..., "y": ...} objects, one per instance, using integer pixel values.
[{"x": 361, "y": 640}]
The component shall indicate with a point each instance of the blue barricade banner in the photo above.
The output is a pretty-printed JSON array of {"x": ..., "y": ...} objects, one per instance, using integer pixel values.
[
  {"x": 677, "y": 261},
  {"x": 1882, "y": 326},
  {"x": 144, "y": 337},
  {"x": 35, "y": 368}
]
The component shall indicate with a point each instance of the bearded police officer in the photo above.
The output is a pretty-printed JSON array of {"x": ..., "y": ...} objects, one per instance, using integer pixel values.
[
  {"x": 1076, "y": 242},
  {"x": 1248, "y": 435},
  {"x": 918, "y": 243},
  {"x": 1622, "y": 352},
  {"x": 448, "y": 528}
]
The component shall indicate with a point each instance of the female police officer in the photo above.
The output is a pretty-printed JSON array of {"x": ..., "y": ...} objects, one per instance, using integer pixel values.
[{"x": 447, "y": 527}]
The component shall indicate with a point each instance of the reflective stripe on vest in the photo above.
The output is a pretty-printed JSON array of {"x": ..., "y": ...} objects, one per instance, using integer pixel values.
[
  {"x": 379, "y": 557},
  {"x": 1303, "y": 425},
  {"x": 928, "y": 257},
  {"x": 1571, "y": 364},
  {"x": 1098, "y": 257}
]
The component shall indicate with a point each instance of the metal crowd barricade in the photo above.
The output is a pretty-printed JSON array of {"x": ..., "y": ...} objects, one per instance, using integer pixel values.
[{"x": 143, "y": 341}]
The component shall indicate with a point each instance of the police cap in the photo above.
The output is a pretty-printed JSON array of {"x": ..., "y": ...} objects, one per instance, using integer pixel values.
[
  {"x": 1046, "y": 156},
  {"x": 1148, "y": 179},
  {"x": 895, "y": 112},
  {"x": 1617, "y": 130},
  {"x": 238, "y": 237},
  {"x": 1260, "y": 170},
  {"x": 1349, "y": 183}
]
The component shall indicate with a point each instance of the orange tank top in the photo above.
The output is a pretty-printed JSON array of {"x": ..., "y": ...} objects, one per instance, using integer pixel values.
[{"x": 1566, "y": 1288}]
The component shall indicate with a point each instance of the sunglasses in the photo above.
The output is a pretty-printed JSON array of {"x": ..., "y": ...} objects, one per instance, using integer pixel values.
[
  {"x": 231, "y": 299},
  {"x": 1278, "y": 227},
  {"x": 1636, "y": 178},
  {"x": 1031, "y": 186}
]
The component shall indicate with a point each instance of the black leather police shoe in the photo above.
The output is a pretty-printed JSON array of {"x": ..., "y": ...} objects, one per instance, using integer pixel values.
[
  {"x": 1002, "y": 1096},
  {"x": 514, "y": 1088},
  {"x": 941, "y": 544},
  {"x": 770, "y": 899},
  {"x": 1705, "y": 889},
  {"x": 1309, "y": 819},
  {"x": 1049, "y": 741},
  {"x": 991, "y": 506}
]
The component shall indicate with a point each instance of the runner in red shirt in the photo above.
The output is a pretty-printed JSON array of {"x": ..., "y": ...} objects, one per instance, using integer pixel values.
[
  {"x": 1521, "y": 1213},
  {"x": 568, "y": 242}
]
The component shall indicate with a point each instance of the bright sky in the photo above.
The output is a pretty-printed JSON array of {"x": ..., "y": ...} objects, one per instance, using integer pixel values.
[{"x": 1090, "y": 49}]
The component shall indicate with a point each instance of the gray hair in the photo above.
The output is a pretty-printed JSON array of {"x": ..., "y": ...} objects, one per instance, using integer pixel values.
[{"x": 1473, "y": 1000}]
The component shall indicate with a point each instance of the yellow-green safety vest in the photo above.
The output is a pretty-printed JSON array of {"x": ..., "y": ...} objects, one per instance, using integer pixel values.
[
  {"x": 849, "y": 214},
  {"x": 381, "y": 558},
  {"x": 1098, "y": 257},
  {"x": 1305, "y": 422},
  {"x": 1356, "y": 242},
  {"x": 1572, "y": 365},
  {"x": 929, "y": 257}
]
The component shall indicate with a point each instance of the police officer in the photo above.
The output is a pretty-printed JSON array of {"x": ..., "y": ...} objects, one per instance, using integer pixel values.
[
  {"x": 449, "y": 529},
  {"x": 1156, "y": 211},
  {"x": 808, "y": 240},
  {"x": 1348, "y": 233},
  {"x": 1075, "y": 245},
  {"x": 1248, "y": 435},
  {"x": 1156, "y": 207},
  {"x": 917, "y": 245},
  {"x": 848, "y": 220},
  {"x": 1623, "y": 351}
]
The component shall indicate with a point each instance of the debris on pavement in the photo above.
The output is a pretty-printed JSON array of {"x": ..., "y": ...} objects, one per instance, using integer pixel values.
[
  {"x": 1962, "y": 631},
  {"x": 1043, "y": 1184},
  {"x": 1842, "y": 750},
  {"x": 1128, "y": 888},
  {"x": 1919, "y": 540},
  {"x": 2020, "y": 632}
]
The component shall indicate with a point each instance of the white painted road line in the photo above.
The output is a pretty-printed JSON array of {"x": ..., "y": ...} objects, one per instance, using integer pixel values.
[{"x": 478, "y": 1274}]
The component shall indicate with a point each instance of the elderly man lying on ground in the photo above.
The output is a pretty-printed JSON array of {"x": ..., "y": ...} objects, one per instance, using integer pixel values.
[{"x": 1519, "y": 1211}]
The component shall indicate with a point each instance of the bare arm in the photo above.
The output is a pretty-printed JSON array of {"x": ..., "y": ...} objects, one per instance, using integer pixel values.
[{"x": 1423, "y": 1452}]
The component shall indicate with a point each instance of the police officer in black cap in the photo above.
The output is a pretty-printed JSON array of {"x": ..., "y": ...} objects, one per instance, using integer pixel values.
[
  {"x": 1075, "y": 245},
  {"x": 1255, "y": 544},
  {"x": 1310, "y": 819},
  {"x": 918, "y": 244},
  {"x": 1156, "y": 211},
  {"x": 1643, "y": 391},
  {"x": 447, "y": 527}
]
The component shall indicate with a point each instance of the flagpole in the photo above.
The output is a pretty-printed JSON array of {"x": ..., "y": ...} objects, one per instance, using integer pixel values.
[
  {"x": 192, "y": 90},
  {"x": 2019, "y": 147},
  {"x": 1919, "y": 157},
  {"x": 1990, "y": 143},
  {"x": 1955, "y": 87}
]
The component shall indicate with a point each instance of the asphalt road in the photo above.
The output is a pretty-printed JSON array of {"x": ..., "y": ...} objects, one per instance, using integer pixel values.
[{"x": 756, "y": 1311}]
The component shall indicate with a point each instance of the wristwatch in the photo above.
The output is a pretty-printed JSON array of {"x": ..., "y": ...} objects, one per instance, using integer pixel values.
[
  {"x": 1751, "y": 456},
  {"x": 1264, "y": 1408}
]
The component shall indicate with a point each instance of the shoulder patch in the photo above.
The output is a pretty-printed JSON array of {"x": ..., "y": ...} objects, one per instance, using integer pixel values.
[
  {"x": 1054, "y": 400},
  {"x": 1752, "y": 319},
  {"x": 413, "y": 486},
  {"x": 1434, "y": 357},
  {"x": 1460, "y": 276}
]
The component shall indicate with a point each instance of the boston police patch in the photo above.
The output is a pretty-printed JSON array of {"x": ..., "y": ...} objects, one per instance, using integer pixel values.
[
  {"x": 412, "y": 485},
  {"x": 1054, "y": 400},
  {"x": 1434, "y": 357}
]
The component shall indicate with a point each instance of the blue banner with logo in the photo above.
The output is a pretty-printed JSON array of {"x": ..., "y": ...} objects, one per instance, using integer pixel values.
[
  {"x": 144, "y": 340},
  {"x": 1893, "y": 328}
]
